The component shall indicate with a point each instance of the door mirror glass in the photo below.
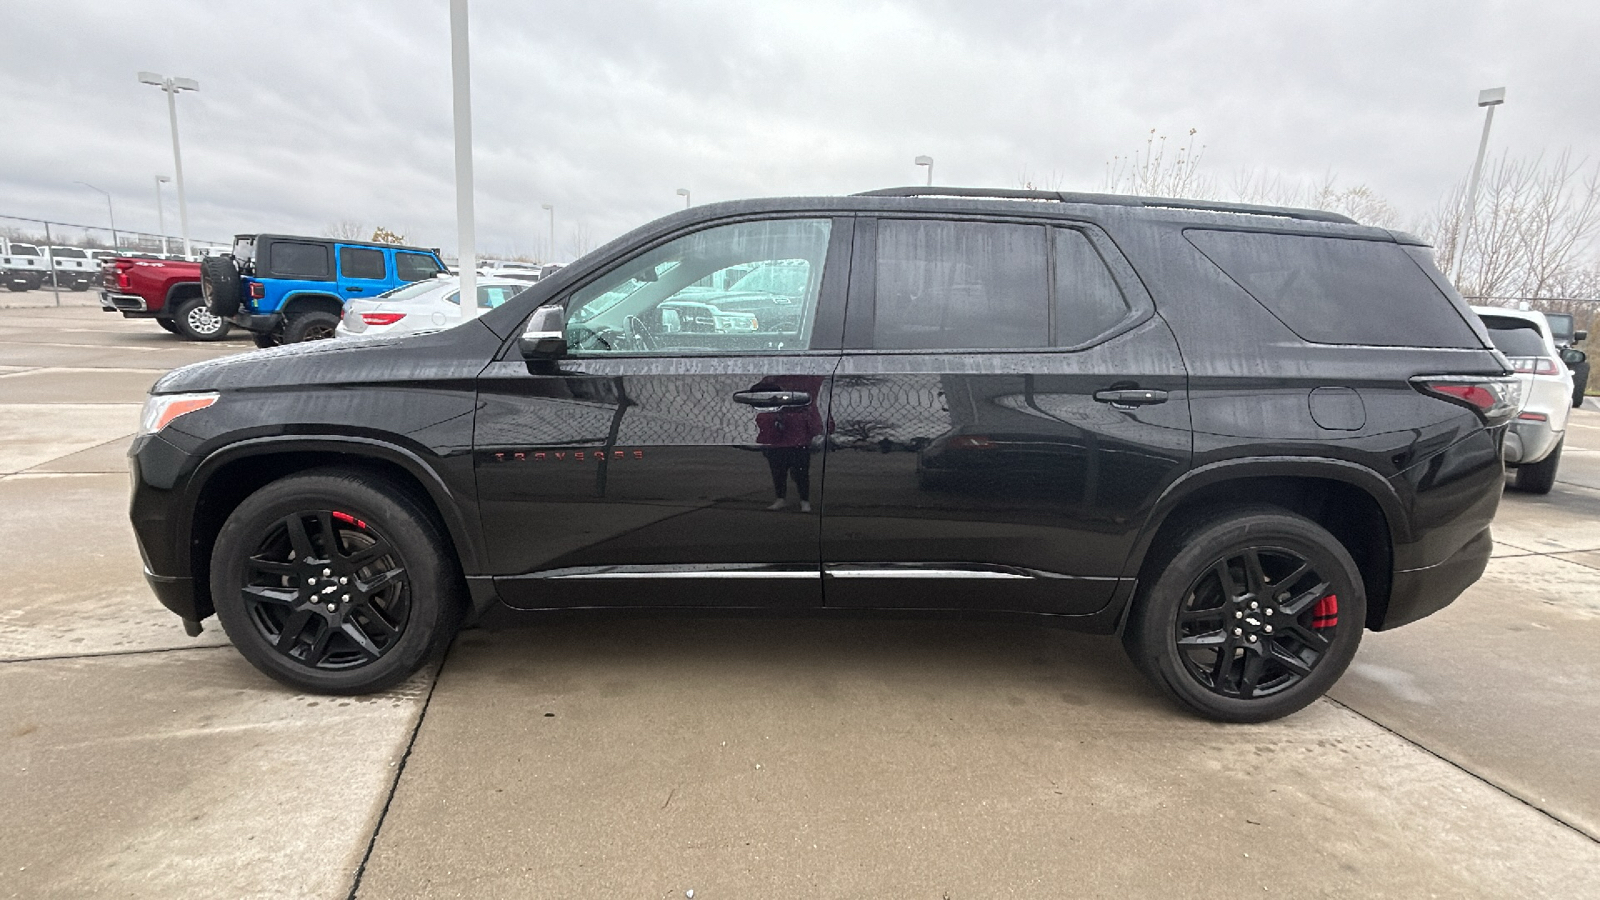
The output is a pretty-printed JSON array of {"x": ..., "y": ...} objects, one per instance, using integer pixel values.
[
  {"x": 1573, "y": 357},
  {"x": 545, "y": 336}
]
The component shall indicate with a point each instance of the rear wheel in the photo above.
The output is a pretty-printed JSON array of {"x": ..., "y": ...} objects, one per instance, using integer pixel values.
[
  {"x": 196, "y": 322},
  {"x": 166, "y": 325},
  {"x": 309, "y": 326},
  {"x": 1252, "y": 615},
  {"x": 1539, "y": 477},
  {"x": 335, "y": 582}
]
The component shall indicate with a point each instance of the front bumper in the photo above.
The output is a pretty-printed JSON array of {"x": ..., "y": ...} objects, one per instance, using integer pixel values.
[{"x": 177, "y": 594}]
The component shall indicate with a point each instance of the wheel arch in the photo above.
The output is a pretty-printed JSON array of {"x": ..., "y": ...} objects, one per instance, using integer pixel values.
[
  {"x": 183, "y": 290},
  {"x": 311, "y": 301},
  {"x": 1357, "y": 505},
  {"x": 223, "y": 480}
]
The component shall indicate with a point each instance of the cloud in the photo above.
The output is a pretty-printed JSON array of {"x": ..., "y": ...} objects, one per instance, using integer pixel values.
[{"x": 310, "y": 113}]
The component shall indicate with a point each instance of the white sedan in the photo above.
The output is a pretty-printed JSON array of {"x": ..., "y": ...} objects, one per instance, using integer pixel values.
[{"x": 421, "y": 306}]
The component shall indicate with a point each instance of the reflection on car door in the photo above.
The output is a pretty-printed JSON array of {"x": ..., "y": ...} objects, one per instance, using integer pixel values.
[
  {"x": 646, "y": 467},
  {"x": 978, "y": 459}
]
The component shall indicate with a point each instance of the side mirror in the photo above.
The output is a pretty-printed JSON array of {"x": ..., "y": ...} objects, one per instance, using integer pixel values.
[
  {"x": 545, "y": 337},
  {"x": 1580, "y": 336},
  {"x": 1572, "y": 356}
]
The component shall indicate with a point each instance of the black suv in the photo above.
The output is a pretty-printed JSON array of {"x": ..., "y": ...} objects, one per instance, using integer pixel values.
[{"x": 1237, "y": 436}]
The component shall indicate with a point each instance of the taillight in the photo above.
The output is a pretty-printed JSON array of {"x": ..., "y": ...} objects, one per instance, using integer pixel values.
[
  {"x": 1495, "y": 400},
  {"x": 1534, "y": 417},
  {"x": 1535, "y": 365},
  {"x": 382, "y": 318},
  {"x": 123, "y": 281},
  {"x": 258, "y": 291}
]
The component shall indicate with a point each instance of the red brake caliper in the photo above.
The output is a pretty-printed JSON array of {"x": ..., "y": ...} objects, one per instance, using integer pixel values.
[{"x": 1326, "y": 612}]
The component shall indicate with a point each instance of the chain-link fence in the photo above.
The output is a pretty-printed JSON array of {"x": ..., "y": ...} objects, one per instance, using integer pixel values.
[{"x": 63, "y": 258}]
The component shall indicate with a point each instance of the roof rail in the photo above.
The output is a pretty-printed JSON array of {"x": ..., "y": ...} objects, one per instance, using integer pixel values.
[{"x": 1288, "y": 212}]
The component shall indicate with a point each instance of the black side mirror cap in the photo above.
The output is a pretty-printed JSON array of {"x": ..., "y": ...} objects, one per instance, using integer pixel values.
[
  {"x": 545, "y": 336},
  {"x": 1580, "y": 335}
]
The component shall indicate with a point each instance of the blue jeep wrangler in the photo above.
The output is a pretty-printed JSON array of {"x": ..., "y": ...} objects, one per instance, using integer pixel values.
[{"x": 286, "y": 289}]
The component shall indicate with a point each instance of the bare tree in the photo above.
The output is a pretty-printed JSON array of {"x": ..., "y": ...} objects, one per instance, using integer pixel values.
[
  {"x": 1033, "y": 182},
  {"x": 346, "y": 230},
  {"x": 382, "y": 235},
  {"x": 1160, "y": 171},
  {"x": 1358, "y": 201},
  {"x": 1533, "y": 234},
  {"x": 578, "y": 240}
]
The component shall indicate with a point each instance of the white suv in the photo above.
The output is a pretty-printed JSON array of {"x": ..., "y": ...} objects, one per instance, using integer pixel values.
[{"x": 1533, "y": 445}]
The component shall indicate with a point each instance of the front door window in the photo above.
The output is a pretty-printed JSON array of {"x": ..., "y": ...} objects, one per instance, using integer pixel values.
[{"x": 745, "y": 288}]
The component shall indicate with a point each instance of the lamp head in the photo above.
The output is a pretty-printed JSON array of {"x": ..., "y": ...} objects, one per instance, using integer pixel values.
[
  {"x": 185, "y": 84},
  {"x": 1492, "y": 96},
  {"x": 683, "y": 192},
  {"x": 923, "y": 160},
  {"x": 152, "y": 78}
]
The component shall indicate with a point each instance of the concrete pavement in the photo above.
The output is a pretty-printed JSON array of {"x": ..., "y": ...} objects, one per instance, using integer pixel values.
[{"x": 619, "y": 755}]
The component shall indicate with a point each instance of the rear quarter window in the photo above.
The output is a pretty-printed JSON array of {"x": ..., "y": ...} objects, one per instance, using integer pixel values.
[
  {"x": 1339, "y": 290},
  {"x": 291, "y": 259}
]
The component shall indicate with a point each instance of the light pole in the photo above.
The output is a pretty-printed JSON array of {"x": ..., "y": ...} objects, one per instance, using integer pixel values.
[
  {"x": 172, "y": 86},
  {"x": 926, "y": 161},
  {"x": 684, "y": 193},
  {"x": 109, "y": 211},
  {"x": 552, "y": 211},
  {"x": 161, "y": 212},
  {"x": 1488, "y": 98},
  {"x": 461, "y": 78}
]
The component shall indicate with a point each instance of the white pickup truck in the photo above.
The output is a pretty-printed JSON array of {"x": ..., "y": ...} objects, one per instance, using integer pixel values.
[
  {"x": 73, "y": 268},
  {"x": 22, "y": 266}
]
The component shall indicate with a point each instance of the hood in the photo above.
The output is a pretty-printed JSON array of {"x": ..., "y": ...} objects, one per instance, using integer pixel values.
[{"x": 345, "y": 360}]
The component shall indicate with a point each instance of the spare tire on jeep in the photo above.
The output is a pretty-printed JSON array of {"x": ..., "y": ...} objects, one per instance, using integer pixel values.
[{"x": 219, "y": 285}]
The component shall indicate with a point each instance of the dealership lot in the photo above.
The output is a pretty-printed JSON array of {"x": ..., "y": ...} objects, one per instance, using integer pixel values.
[{"x": 629, "y": 755}]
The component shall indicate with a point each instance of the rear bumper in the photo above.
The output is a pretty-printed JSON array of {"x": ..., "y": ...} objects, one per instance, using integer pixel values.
[
  {"x": 1529, "y": 442},
  {"x": 123, "y": 302},
  {"x": 1416, "y": 593},
  {"x": 265, "y": 324}
]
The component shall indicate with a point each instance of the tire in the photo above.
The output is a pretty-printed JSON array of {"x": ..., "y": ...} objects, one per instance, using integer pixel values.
[
  {"x": 1580, "y": 382},
  {"x": 309, "y": 326},
  {"x": 79, "y": 287},
  {"x": 1215, "y": 673},
  {"x": 1539, "y": 477},
  {"x": 219, "y": 285},
  {"x": 265, "y": 339},
  {"x": 17, "y": 288},
  {"x": 166, "y": 325},
  {"x": 272, "y": 583},
  {"x": 192, "y": 320}
]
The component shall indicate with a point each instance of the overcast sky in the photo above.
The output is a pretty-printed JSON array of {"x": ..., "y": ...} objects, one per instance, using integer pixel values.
[{"x": 314, "y": 112}]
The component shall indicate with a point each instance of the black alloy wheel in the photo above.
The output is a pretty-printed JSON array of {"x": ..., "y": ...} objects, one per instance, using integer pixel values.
[
  {"x": 1256, "y": 623},
  {"x": 310, "y": 326},
  {"x": 1251, "y": 614},
  {"x": 326, "y": 590},
  {"x": 336, "y": 582}
]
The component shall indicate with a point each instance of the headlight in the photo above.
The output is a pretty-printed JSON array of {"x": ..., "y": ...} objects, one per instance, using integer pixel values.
[{"x": 161, "y": 409}]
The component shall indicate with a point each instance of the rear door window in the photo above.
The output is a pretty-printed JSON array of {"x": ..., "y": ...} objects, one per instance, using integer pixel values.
[
  {"x": 295, "y": 259},
  {"x": 1339, "y": 290},
  {"x": 946, "y": 285},
  {"x": 362, "y": 262}
]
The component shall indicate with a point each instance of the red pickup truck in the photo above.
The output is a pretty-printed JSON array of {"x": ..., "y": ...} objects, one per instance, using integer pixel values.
[{"x": 167, "y": 290}]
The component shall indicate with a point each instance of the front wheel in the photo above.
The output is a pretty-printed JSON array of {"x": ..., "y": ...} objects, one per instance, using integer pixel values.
[
  {"x": 1251, "y": 615},
  {"x": 265, "y": 339},
  {"x": 335, "y": 582}
]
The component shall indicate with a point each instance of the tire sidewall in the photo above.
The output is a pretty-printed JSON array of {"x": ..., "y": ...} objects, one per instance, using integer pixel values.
[
  {"x": 1152, "y": 624},
  {"x": 433, "y": 597},
  {"x": 294, "y": 331},
  {"x": 219, "y": 286}
]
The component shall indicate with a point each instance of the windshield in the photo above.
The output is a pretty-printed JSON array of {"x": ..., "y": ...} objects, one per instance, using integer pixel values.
[
  {"x": 1560, "y": 327},
  {"x": 244, "y": 248}
]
